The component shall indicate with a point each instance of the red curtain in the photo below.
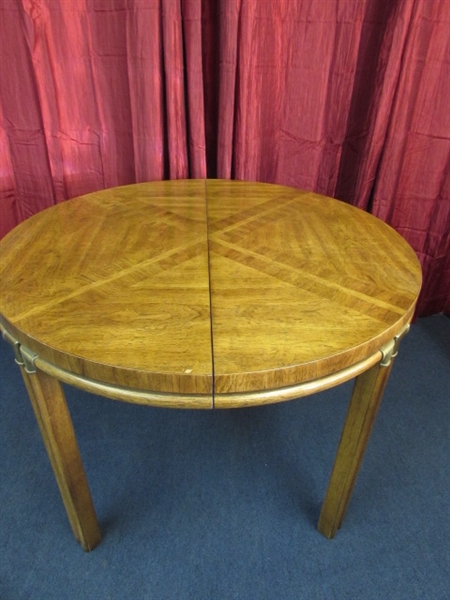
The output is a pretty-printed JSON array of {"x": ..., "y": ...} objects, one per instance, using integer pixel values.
[{"x": 348, "y": 98}]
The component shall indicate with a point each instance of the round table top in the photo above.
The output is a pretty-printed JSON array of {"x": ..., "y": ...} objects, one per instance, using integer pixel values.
[{"x": 205, "y": 286}]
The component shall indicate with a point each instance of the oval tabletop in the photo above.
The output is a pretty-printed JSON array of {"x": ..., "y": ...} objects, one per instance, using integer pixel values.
[{"x": 205, "y": 287}]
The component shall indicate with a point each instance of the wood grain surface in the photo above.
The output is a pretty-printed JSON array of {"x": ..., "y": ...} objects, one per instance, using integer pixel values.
[
  {"x": 302, "y": 285},
  {"x": 184, "y": 286},
  {"x": 114, "y": 286}
]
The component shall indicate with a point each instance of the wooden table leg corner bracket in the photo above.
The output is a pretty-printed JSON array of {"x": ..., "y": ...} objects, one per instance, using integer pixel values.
[{"x": 53, "y": 417}]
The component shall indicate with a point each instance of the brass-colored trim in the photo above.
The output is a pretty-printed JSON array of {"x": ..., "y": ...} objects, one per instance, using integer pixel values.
[
  {"x": 390, "y": 350},
  {"x": 29, "y": 359},
  {"x": 398, "y": 338},
  {"x": 23, "y": 356},
  {"x": 15, "y": 345}
]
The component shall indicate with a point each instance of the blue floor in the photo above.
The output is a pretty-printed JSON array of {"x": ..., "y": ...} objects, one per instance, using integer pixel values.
[{"x": 224, "y": 505}]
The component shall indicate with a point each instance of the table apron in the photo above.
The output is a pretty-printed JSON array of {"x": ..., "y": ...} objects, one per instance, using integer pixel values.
[
  {"x": 31, "y": 361},
  {"x": 190, "y": 401}
]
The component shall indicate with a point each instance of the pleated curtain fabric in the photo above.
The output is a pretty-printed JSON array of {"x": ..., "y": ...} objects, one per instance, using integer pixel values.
[{"x": 348, "y": 98}]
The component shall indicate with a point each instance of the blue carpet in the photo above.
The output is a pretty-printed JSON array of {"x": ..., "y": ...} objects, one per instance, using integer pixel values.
[{"x": 224, "y": 505}]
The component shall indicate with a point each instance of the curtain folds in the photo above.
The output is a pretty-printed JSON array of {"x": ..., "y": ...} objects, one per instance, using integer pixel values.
[{"x": 348, "y": 98}]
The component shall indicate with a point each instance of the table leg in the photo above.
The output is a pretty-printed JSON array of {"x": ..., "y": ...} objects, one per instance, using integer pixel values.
[
  {"x": 53, "y": 417},
  {"x": 365, "y": 401}
]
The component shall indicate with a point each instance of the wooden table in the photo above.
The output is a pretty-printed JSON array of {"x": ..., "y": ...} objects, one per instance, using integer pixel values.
[{"x": 204, "y": 294}]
